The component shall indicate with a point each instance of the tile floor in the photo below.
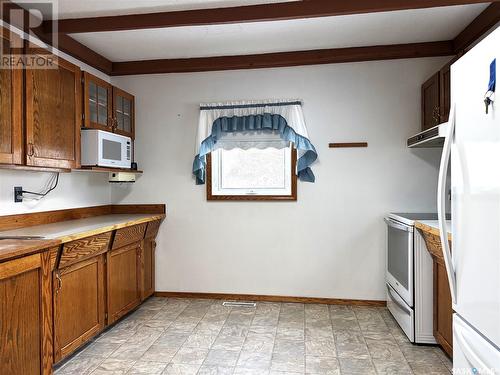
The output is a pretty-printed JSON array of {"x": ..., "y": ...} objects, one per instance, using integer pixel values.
[{"x": 191, "y": 336}]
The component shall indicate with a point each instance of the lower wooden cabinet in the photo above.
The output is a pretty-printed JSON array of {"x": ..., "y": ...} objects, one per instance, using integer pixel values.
[
  {"x": 148, "y": 268},
  {"x": 25, "y": 316},
  {"x": 123, "y": 280},
  {"x": 79, "y": 304},
  {"x": 443, "y": 311}
]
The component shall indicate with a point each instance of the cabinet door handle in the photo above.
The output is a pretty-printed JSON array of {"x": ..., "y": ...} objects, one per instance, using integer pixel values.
[
  {"x": 31, "y": 149},
  {"x": 59, "y": 282}
]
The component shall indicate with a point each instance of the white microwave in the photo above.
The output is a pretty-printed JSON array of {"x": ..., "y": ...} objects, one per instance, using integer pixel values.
[{"x": 105, "y": 149}]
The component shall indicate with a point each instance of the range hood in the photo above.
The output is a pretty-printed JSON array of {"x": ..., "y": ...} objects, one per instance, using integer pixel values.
[{"x": 433, "y": 137}]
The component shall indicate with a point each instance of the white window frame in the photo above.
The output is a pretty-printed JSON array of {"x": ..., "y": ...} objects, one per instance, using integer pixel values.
[{"x": 216, "y": 192}]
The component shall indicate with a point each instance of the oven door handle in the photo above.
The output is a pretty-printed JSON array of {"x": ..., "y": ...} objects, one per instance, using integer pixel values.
[
  {"x": 395, "y": 224},
  {"x": 396, "y": 301}
]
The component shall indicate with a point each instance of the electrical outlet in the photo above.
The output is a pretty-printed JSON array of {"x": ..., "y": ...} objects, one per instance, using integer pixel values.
[{"x": 18, "y": 194}]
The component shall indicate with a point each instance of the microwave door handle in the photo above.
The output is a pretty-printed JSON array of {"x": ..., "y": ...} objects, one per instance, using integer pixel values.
[
  {"x": 441, "y": 205},
  {"x": 395, "y": 224}
]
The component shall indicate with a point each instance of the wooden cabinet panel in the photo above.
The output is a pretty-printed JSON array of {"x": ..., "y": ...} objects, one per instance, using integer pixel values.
[
  {"x": 430, "y": 102},
  {"x": 123, "y": 280},
  {"x": 25, "y": 316},
  {"x": 152, "y": 229},
  {"x": 124, "y": 113},
  {"x": 98, "y": 103},
  {"x": 129, "y": 235},
  {"x": 148, "y": 268},
  {"x": 79, "y": 304},
  {"x": 443, "y": 311},
  {"x": 53, "y": 116},
  {"x": 84, "y": 248},
  {"x": 11, "y": 109},
  {"x": 444, "y": 92}
]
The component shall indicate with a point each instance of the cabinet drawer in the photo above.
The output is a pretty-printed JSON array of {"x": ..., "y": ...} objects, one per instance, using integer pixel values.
[
  {"x": 128, "y": 235},
  {"x": 84, "y": 248},
  {"x": 152, "y": 229}
]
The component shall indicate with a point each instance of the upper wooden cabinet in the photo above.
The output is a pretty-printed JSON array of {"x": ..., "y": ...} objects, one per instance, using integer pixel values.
[
  {"x": 430, "y": 102},
  {"x": 436, "y": 98},
  {"x": 107, "y": 107},
  {"x": 444, "y": 92},
  {"x": 53, "y": 115},
  {"x": 98, "y": 103},
  {"x": 11, "y": 107},
  {"x": 124, "y": 112}
]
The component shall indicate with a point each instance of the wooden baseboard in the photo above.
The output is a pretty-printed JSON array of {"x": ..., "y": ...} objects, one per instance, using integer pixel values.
[{"x": 266, "y": 298}]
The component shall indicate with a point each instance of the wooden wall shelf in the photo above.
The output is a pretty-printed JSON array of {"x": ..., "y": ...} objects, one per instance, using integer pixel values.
[
  {"x": 107, "y": 170},
  {"x": 348, "y": 144}
]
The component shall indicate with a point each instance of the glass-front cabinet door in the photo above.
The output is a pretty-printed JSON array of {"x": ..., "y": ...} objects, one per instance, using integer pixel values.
[
  {"x": 98, "y": 103},
  {"x": 123, "y": 108}
]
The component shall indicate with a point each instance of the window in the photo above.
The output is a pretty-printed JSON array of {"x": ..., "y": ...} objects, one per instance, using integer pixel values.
[{"x": 251, "y": 173}]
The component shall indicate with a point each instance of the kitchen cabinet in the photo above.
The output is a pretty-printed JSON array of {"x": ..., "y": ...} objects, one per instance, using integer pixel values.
[
  {"x": 53, "y": 115},
  {"x": 444, "y": 92},
  {"x": 148, "y": 260},
  {"x": 436, "y": 98},
  {"x": 98, "y": 103},
  {"x": 123, "y": 280},
  {"x": 148, "y": 268},
  {"x": 124, "y": 113},
  {"x": 442, "y": 309},
  {"x": 11, "y": 107},
  {"x": 25, "y": 315},
  {"x": 79, "y": 304},
  {"x": 79, "y": 293},
  {"x": 430, "y": 102},
  {"x": 107, "y": 107}
]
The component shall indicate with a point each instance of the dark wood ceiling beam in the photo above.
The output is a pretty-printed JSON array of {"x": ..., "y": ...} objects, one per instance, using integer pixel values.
[
  {"x": 64, "y": 43},
  {"x": 283, "y": 59},
  {"x": 242, "y": 14},
  {"x": 477, "y": 28}
]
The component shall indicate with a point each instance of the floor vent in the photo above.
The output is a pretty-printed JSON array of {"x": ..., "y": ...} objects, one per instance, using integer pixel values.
[{"x": 238, "y": 304}]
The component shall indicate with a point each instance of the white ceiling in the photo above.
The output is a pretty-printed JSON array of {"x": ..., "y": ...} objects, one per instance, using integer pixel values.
[{"x": 410, "y": 26}]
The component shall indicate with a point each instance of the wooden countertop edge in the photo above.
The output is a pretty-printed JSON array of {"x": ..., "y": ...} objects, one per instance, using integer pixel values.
[
  {"x": 429, "y": 229},
  {"x": 109, "y": 228},
  {"x": 26, "y": 247},
  {"x": 29, "y": 247}
]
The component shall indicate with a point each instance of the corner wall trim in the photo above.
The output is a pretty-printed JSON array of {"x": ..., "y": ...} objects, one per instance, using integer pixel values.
[{"x": 268, "y": 298}]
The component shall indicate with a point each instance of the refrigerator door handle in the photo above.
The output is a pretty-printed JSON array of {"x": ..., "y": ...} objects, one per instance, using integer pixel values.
[{"x": 441, "y": 205}]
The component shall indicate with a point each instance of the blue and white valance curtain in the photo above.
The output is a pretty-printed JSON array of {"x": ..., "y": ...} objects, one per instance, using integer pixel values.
[{"x": 284, "y": 118}]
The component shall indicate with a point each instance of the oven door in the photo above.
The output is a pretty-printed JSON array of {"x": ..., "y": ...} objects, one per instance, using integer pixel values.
[
  {"x": 114, "y": 151},
  {"x": 399, "y": 273}
]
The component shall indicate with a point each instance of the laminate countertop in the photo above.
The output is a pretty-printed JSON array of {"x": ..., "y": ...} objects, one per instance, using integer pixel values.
[
  {"x": 65, "y": 231},
  {"x": 432, "y": 226}
]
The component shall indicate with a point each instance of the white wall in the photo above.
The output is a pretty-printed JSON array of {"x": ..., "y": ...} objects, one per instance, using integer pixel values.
[
  {"x": 78, "y": 189},
  {"x": 331, "y": 243}
]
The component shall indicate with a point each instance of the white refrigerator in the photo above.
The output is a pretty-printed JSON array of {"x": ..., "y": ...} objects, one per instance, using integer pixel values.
[{"x": 473, "y": 265}]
